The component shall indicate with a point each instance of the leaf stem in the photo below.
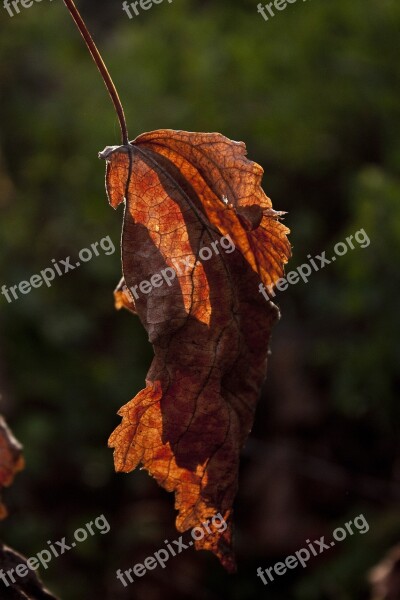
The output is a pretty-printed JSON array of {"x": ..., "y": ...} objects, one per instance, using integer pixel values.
[{"x": 101, "y": 66}]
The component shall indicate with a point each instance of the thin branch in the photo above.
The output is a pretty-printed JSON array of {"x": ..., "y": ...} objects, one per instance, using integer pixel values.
[{"x": 101, "y": 66}]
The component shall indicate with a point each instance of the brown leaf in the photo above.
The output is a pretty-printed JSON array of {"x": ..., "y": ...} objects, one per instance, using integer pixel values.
[
  {"x": 209, "y": 325},
  {"x": 28, "y": 587},
  {"x": 11, "y": 460}
]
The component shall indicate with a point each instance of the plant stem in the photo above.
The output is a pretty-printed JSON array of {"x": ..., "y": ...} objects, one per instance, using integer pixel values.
[{"x": 101, "y": 66}]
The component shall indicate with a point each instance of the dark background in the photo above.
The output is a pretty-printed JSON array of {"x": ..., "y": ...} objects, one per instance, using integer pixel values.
[{"x": 314, "y": 93}]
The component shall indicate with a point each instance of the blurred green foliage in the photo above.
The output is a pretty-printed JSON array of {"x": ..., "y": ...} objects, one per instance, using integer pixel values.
[{"x": 314, "y": 92}]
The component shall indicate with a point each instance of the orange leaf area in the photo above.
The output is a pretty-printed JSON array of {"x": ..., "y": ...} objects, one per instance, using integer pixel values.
[{"x": 188, "y": 195}]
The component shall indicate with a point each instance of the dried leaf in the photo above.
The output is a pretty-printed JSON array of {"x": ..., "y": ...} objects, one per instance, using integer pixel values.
[
  {"x": 28, "y": 587},
  {"x": 11, "y": 460},
  {"x": 209, "y": 326},
  {"x": 23, "y": 588}
]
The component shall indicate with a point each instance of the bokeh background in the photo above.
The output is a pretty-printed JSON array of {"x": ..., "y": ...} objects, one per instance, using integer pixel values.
[{"x": 314, "y": 92}]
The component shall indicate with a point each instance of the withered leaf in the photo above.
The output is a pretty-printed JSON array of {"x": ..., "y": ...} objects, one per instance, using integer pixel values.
[
  {"x": 11, "y": 460},
  {"x": 209, "y": 325},
  {"x": 28, "y": 587}
]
